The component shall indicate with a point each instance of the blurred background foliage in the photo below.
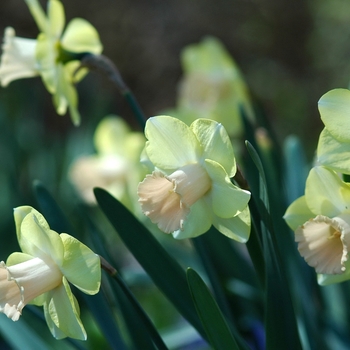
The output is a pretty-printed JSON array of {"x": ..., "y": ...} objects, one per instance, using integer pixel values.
[{"x": 290, "y": 53}]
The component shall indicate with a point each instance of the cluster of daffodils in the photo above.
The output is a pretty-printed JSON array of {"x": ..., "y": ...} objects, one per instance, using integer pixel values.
[
  {"x": 115, "y": 166},
  {"x": 53, "y": 55},
  {"x": 212, "y": 87},
  {"x": 321, "y": 218},
  {"x": 40, "y": 274},
  {"x": 190, "y": 186}
]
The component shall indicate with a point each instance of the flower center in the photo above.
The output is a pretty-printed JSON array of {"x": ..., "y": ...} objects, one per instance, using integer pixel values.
[
  {"x": 166, "y": 200},
  {"x": 21, "y": 283},
  {"x": 323, "y": 243}
]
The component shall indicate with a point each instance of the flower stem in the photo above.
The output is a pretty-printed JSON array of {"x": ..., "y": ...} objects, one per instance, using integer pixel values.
[{"x": 104, "y": 65}]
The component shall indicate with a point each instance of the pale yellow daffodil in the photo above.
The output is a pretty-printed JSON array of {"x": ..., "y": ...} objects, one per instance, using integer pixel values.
[
  {"x": 333, "y": 148},
  {"x": 40, "y": 274},
  {"x": 321, "y": 221},
  {"x": 115, "y": 166},
  {"x": 54, "y": 55},
  {"x": 212, "y": 87},
  {"x": 190, "y": 188}
]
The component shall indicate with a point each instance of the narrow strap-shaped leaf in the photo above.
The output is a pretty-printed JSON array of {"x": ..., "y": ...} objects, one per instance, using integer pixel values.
[
  {"x": 213, "y": 321},
  {"x": 50, "y": 209},
  {"x": 280, "y": 321},
  {"x": 160, "y": 266},
  {"x": 144, "y": 321}
]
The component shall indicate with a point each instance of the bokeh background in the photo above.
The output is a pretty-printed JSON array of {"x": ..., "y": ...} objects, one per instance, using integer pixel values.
[{"x": 290, "y": 53}]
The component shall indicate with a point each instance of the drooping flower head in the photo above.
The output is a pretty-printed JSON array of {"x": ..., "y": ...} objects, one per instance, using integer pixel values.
[
  {"x": 333, "y": 148},
  {"x": 212, "y": 87},
  {"x": 40, "y": 274},
  {"x": 190, "y": 188},
  {"x": 115, "y": 166},
  {"x": 321, "y": 221},
  {"x": 52, "y": 55}
]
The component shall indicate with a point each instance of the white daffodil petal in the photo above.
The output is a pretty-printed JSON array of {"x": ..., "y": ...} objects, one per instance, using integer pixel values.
[
  {"x": 237, "y": 228},
  {"x": 18, "y": 58},
  {"x": 63, "y": 310},
  {"x": 333, "y": 153},
  {"x": 228, "y": 200},
  {"x": 172, "y": 144},
  {"x": 325, "y": 193},
  {"x": 81, "y": 266},
  {"x": 298, "y": 213},
  {"x": 334, "y": 107},
  {"x": 56, "y": 18},
  {"x": 36, "y": 240},
  {"x": 197, "y": 222},
  {"x": 216, "y": 144},
  {"x": 80, "y": 36}
]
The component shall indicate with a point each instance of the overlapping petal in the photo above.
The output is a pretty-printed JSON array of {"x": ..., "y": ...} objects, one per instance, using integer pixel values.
[
  {"x": 325, "y": 193},
  {"x": 62, "y": 314},
  {"x": 198, "y": 221},
  {"x": 38, "y": 241},
  {"x": 171, "y": 144},
  {"x": 333, "y": 153},
  {"x": 334, "y": 107},
  {"x": 81, "y": 266},
  {"x": 81, "y": 36},
  {"x": 228, "y": 200},
  {"x": 298, "y": 213},
  {"x": 216, "y": 143},
  {"x": 56, "y": 18},
  {"x": 237, "y": 228}
]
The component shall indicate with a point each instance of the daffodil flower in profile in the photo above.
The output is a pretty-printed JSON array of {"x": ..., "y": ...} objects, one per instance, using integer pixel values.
[
  {"x": 321, "y": 222},
  {"x": 40, "y": 274},
  {"x": 116, "y": 165},
  {"x": 190, "y": 188},
  {"x": 54, "y": 55}
]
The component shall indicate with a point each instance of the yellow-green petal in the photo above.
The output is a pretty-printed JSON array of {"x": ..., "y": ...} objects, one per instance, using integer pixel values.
[
  {"x": 333, "y": 153},
  {"x": 38, "y": 14},
  {"x": 172, "y": 144},
  {"x": 56, "y": 18},
  {"x": 334, "y": 107},
  {"x": 36, "y": 239},
  {"x": 228, "y": 200},
  {"x": 81, "y": 266},
  {"x": 325, "y": 193},
  {"x": 63, "y": 315},
  {"x": 216, "y": 144},
  {"x": 81, "y": 36},
  {"x": 298, "y": 213},
  {"x": 66, "y": 95},
  {"x": 46, "y": 59},
  {"x": 197, "y": 222},
  {"x": 110, "y": 135},
  {"x": 17, "y": 258},
  {"x": 237, "y": 228}
]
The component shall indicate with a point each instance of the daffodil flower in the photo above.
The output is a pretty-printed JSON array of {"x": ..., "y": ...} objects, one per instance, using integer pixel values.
[
  {"x": 190, "y": 188},
  {"x": 321, "y": 221},
  {"x": 40, "y": 274},
  {"x": 212, "y": 87},
  {"x": 53, "y": 56},
  {"x": 115, "y": 166},
  {"x": 333, "y": 148}
]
